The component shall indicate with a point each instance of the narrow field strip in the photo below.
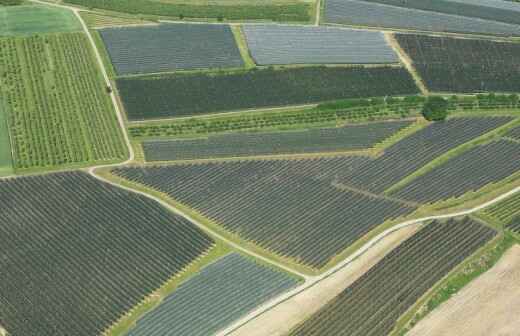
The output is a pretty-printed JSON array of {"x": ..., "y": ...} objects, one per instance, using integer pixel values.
[
  {"x": 69, "y": 240},
  {"x": 279, "y": 44},
  {"x": 289, "y": 207},
  {"x": 219, "y": 294},
  {"x": 6, "y": 160},
  {"x": 171, "y": 47},
  {"x": 464, "y": 173},
  {"x": 372, "y": 305},
  {"x": 365, "y": 13},
  {"x": 326, "y": 140},
  {"x": 459, "y": 65}
]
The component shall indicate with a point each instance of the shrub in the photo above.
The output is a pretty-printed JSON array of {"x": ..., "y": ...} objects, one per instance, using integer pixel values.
[{"x": 435, "y": 109}]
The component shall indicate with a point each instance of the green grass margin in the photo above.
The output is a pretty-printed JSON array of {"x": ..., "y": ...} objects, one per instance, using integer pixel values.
[{"x": 6, "y": 158}]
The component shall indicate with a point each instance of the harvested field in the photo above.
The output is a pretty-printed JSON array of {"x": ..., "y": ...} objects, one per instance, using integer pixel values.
[
  {"x": 464, "y": 173},
  {"x": 78, "y": 254},
  {"x": 173, "y": 96},
  {"x": 219, "y": 294},
  {"x": 364, "y": 13},
  {"x": 463, "y": 65},
  {"x": 290, "y": 207},
  {"x": 276, "y": 44},
  {"x": 171, "y": 47},
  {"x": 374, "y": 302},
  {"x": 489, "y": 305},
  {"x": 350, "y": 137},
  {"x": 418, "y": 149}
]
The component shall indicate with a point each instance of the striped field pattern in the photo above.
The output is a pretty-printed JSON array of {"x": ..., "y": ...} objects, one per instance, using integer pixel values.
[
  {"x": 278, "y": 44},
  {"x": 221, "y": 293}
]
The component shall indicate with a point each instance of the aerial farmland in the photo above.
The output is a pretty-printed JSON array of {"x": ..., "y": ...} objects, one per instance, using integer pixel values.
[{"x": 259, "y": 168}]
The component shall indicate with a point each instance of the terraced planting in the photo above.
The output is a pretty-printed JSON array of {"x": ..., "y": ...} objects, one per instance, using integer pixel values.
[
  {"x": 170, "y": 47},
  {"x": 350, "y": 137},
  {"x": 58, "y": 111},
  {"x": 374, "y": 14},
  {"x": 464, "y": 65},
  {"x": 275, "y": 10},
  {"x": 466, "y": 172},
  {"x": 31, "y": 20},
  {"x": 77, "y": 253},
  {"x": 418, "y": 149},
  {"x": 275, "y": 44},
  {"x": 291, "y": 207},
  {"x": 173, "y": 96},
  {"x": 374, "y": 302},
  {"x": 221, "y": 293}
]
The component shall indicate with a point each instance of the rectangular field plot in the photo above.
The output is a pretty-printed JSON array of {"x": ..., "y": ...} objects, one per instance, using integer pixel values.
[
  {"x": 365, "y": 13},
  {"x": 78, "y": 254},
  {"x": 466, "y": 172},
  {"x": 339, "y": 139},
  {"x": 374, "y": 302},
  {"x": 32, "y": 20},
  {"x": 416, "y": 150},
  {"x": 58, "y": 111},
  {"x": 290, "y": 207},
  {"x": 221, "y": 293},
  {"x": 6, "y": 161},
  {"x": 170, "y": 47},
  {"x": 464, "y": 65},
  {"x": 277, "y": 44},
  {"x": 174, "y": 96}
]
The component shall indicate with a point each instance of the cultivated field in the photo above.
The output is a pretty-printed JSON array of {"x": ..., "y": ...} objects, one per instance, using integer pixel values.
[
  {"x": 58, "y": 110},
  {"x": 506, "y": 211},
  {"x": 469, "y": 171},
  {"x": 96, "y": 20},
  {"x": 220, "y": 293},
  {"x": 170, "y": 47},
  {"x": 77, "y": 254},
  {"x": 31, "y": 20},
  {"x": 490, "y": 305},
  {"x": 368, "y": 13},
  {"x": 290, "y": 207},
  {"x": 6, "y": 161},
  {"x": 372, "y": 304},
  {"x": 275, "y": 10},
  {"x": 514, "y": 133},
  {"x": 275, "y": 44},
  {"x": 464, "y": 65},
  {"x": 173, "y": 96},
  {"x": 325, "y": 140},
  {"x": 416, "y": 150}
]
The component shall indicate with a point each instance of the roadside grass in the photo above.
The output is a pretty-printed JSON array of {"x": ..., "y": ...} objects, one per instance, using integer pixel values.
[
  {"x": 97, "y": 20},
  {"x": 153, "y": 300},
  {"x": 28, "y": 20},
  {"x": 485, "y": 138},
  {"x": 100, "y": 46},
  {"x": 6, "y": 159},
  {"x": 474, "y": 266},
  {"x": 215, "y": 227},
  {"x": 241, "y": 42}
]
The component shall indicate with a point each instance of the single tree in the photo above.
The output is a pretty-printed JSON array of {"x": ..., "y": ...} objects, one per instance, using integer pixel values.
[{"x": 435, "y": 108}]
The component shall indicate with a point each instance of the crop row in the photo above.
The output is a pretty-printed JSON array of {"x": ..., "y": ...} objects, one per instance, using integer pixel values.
[
  {"x": 58, "y": 110},
  {"x": 372, "y": 304},
  {"x": 350, "y": 137},
  {"x": 464, "y": 65},
  {"x": 514, "y": 225},
  {"x": 416, "y": 150},
  {"x": 514, "y": 133},
  {"x": 368, "y": 13},
  {"x": 291, "y": 207},
  {"x": 275, "y": 44},
  {"x": 78, "y": 254},
  {"x": 219, "y": 294},
  {"x": 170, "y": 47},
  {"x": 174, "y": 96},
  {"x": 506, "y": 210},
  {"x": 466, "y": 172}
]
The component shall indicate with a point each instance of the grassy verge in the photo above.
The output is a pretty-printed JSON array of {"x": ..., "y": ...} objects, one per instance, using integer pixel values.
[
  {"x": 242, "y": 47},
  {"x": 6, "y": 159},
  {"x": 100, "y": 46},
  {"x": 215, "y": 227},
  {"x": 494, "y": 134},
  {"x": 123, "y": 326},
  {"x": 480, "y": 262}
]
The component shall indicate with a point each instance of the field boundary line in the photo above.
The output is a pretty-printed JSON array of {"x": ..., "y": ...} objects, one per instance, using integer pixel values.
[{"x": 374, "y": 241}]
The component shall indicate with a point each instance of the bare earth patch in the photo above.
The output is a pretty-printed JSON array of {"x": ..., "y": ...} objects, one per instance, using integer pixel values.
[
  {"x": 281, "y": 319},
  {"x": 490, "y": 305}
]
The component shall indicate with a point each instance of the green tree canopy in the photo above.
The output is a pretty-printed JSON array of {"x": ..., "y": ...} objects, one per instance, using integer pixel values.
[{"x": 435, "y": 108}]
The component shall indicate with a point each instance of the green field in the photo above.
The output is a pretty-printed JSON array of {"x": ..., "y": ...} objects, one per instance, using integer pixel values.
[
  {"x": 6, "y": 164},
  {"x": 59, "y": 113},
  {"x": 30, "y": 20},
  {"x": 275, "y": 10}
]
